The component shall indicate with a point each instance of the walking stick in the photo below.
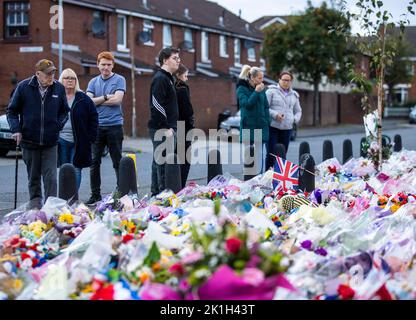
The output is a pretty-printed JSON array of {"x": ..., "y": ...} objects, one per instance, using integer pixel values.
[{"x": 16, "y": 176}]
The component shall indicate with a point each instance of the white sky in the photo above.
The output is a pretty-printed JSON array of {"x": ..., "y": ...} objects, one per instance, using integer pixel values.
[{"x": 252, "y": 9}]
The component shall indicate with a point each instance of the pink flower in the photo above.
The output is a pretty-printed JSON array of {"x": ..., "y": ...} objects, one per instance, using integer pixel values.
[
  {"x": 253, "y": 276},
  {"x": 192, "y": 258},
  {"x": 158, "y": 291},
  {"x": 233, "y": 245}
]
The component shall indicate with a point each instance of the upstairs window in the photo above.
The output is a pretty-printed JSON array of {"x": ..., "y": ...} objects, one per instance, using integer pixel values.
[
  {"x": 204, "y": 47},
  {"x": 251, "y": 54},
  {"x": 167, "y": 36},
  {"x": 148, "y": 28},
  {"x": 121, "y": 33},
  {"x": 237, "y": 52},
  {"x": 187, "y": 36},
  {"x": 16, "y": 18},
  {"x": 223, "y": 46}
]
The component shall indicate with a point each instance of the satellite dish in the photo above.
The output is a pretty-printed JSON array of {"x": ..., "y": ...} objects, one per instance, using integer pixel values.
[
  {"x": 248, "y": 44},
  {"x": 186, "y": 45},
  {"x": 143, "y": 37},
  {"x": 98, "y": 27}
]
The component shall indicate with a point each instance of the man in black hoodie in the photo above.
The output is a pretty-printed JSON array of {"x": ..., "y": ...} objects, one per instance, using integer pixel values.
[{"x": 163, "y": 113}]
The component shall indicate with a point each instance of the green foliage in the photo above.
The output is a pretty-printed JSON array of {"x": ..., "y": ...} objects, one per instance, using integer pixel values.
[
  {"x": 311, "y": 45},
  {"x": 153, "y": 255}
]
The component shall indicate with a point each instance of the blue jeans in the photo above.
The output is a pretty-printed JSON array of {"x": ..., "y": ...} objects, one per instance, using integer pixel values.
[
  {"x": 66, "y": 152},
  {"x": 277, "y": 136}
]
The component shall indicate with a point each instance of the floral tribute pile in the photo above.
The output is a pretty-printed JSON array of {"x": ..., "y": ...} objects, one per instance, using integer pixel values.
[{"x": 353, "y": 237}]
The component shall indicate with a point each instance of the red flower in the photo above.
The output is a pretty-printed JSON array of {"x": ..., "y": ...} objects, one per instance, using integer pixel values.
[
  {"x": 104, "y": 293},
  {"x": 177, "y": 269},
  {"x": 345, "y": 292},
  {"x": 383, "y": 293},
  {"x": 25, "y": 256},
  {"x": 233, "y": 245},
  {"x": 127, "y": 238},
  {"x": 332, "y": 169}
]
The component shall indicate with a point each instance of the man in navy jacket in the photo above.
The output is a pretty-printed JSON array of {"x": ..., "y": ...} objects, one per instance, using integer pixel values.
[{"x": 36, "y": 113}]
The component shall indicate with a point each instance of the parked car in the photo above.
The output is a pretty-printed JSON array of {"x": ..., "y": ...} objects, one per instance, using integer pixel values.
[
  {"x": 412, "y": 115},
  {"x": 232, "y": 125},
  {"x": 7, "y": 143}
]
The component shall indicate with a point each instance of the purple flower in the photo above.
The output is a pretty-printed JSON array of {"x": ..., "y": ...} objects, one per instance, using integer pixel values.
[
  {"x": 307, "y": 244},
  {"x": 321, "y": 251}
]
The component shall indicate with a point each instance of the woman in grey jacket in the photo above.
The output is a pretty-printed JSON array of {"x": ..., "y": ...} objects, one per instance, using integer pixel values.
[{"x": 284, "y": 110}]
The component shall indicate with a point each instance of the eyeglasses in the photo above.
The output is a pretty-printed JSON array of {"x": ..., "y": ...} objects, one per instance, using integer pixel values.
[
  {"x": 69, "y": 78},
  {"x": 176, "y": 58}
]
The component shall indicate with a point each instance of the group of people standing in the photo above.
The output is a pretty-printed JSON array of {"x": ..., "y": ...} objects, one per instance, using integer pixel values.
[
  {"x": 54, "y": 123},
  {"x": 40, "y": 107},
  {"x": 273, "y": 112}
]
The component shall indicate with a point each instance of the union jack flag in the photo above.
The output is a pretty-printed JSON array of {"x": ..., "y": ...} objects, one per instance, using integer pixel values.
[{"x": 285, "y": 175}]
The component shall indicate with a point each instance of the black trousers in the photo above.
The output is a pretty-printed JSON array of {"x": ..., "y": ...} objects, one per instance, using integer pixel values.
[{"x": 112, "y": 137}]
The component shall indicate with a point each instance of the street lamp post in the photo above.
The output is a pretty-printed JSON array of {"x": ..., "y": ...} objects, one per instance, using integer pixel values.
[{"x": 60, "y": 31}]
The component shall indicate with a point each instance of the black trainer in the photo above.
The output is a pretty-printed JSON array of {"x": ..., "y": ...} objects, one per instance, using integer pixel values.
[{"x": 93, "y": 200}]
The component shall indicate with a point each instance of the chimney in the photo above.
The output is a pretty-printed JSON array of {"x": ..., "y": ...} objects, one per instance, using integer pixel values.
[
  {"x": 239, "y": 13},
  {"x": 186, "y": 13}
]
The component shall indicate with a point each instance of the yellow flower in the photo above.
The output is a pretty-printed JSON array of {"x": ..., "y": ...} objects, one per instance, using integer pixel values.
[
  {"x": 167, "y": 253},
  {"x": 88, "y": 288},
  {"x": 185, "y": 227},
  {"x": 17, "y": 284},
  {"x": 175, "y": 232},
  {"x": 130, "y": 226},
  {"x": 394, "y": 207},
  {"x": 67, "y": 218}
]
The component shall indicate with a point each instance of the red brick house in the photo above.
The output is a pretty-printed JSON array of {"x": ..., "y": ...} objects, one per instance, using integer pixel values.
[
  {"x": 337, "y": 105},
  {"x": 214, "y": 44}
]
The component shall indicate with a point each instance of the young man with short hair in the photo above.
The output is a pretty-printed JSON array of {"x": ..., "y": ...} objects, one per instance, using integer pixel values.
[
  {"x": 163, "y": 111},
  {"x": 107, "y": 91}
]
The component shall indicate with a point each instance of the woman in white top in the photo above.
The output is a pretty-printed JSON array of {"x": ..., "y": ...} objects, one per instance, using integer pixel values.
[{"x": 285, "y": 110}]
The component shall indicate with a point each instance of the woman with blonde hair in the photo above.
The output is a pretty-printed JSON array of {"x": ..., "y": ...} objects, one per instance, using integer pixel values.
[
  {"x": 254, "y": 110},
  {"x": 80, "y": 130}
]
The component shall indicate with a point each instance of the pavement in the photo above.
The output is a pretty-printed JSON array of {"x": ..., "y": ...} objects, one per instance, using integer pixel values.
[{"x": 144, "y": 144}]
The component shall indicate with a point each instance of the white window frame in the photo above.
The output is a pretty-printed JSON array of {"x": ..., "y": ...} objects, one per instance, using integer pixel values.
[
  {"x": 251, "y": 54},
  {"x": 21, "y": 13},
  {"x": 223, "y": 46},
  {"x": 205, "y": 47},
  {"x": 188, "y": 36},
  {"x": 237, "y": 49},
  {"x": 148, "y": 26},
  {"x": 167, "y": 35},
  {"x": 122, "y": 47}
]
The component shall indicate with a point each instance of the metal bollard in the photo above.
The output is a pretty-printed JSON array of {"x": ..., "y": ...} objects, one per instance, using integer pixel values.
[
  {"x": 398, "y": 146},
  {"x": 214, "y": 164},
  {"x": 346, "y": 150},
  {"x": 173, "y": 173},
  {"x": 68, "y": 183},
  {"x": 327, "y": 150},
  {"x": 304, "y": 148},
  {"x": 279, "y": 150},
  {"x": 127, "y": 180},
  {"x": 307, "y": 173},
  {"x": 248, "y": 167}
]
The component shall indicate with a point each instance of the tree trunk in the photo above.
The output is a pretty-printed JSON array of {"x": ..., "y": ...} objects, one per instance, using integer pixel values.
[{"x": 316, "y": 106}]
